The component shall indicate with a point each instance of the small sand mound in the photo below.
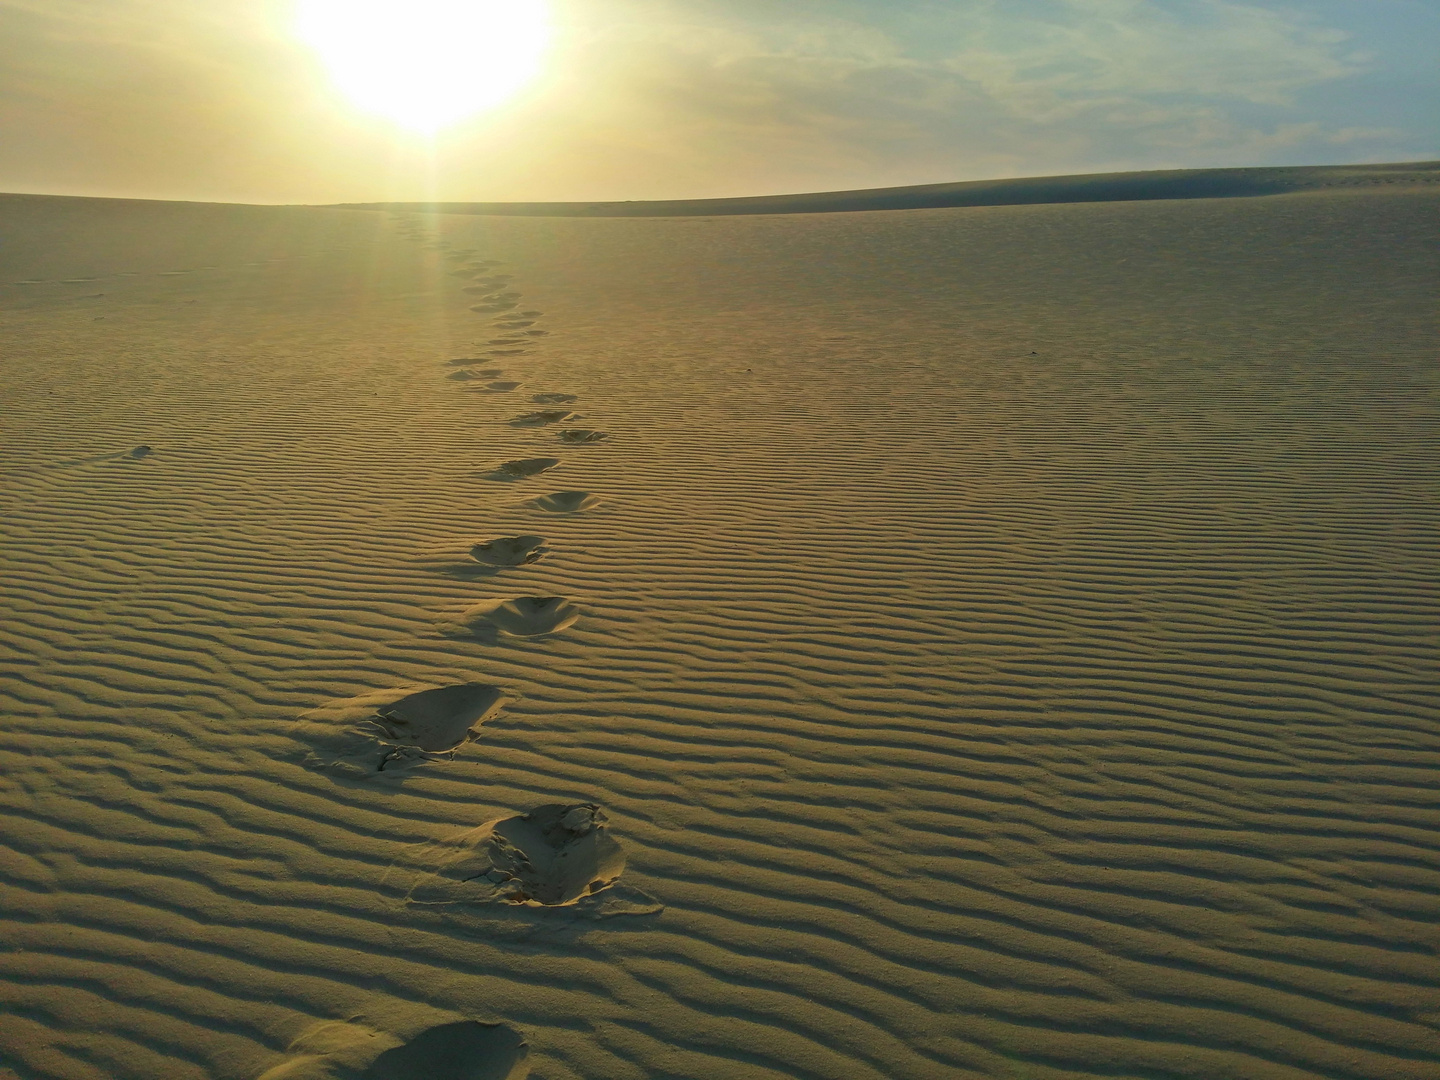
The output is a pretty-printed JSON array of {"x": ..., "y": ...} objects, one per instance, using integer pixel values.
[
  {"x": 466, "y": 1050},
  {"x": 551, "y": 857},
  {"x": 509, "y": 550},
  {"x": 396, "y": 729},
  {"x": 583, "y": 435},
  {"x": 564, "y": 502},
  {"x": 518, "y": 616},
  {"x": 541, "y": 417},
  {"x": 522, "y": 468}
]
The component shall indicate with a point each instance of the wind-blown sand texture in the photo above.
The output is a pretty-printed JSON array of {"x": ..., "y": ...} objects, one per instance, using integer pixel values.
[{"x": 990, "y": 642}]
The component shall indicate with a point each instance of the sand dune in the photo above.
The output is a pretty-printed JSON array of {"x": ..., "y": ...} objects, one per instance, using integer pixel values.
[
  {"x": 1025, "y": 191},
  {"x": 993, "y": 642}
]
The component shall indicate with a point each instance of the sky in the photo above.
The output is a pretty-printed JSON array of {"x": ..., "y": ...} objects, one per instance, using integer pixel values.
[{"x": 236, "y": 101}]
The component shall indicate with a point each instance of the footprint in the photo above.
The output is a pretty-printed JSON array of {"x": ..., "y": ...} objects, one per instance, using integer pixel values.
[
  {"x": 141, "y": 451},
  {"x": 485, "y": 309},
  {"x": 517, "y": 616},
  {"x": 484, "y": 373},
  {"x": 506, "y": 341},
  {"x": 564, "y": 502},
  {"x": 531, "y": 314},
  {"x": 554, "y": 856},
  {"x": 500, "y": 387},
  {"x": 396, "y": 729},
  {"x": 508, "y": 352},
  {"x": 510, "y": 550},
  {"x": 554, "y": 399},
  {"x": 346, "y": 1050},
  {"x": 465, "y": 1050},
  {"x": 537, "y": 333},
  {"x": 541, "y": 418},
  {"x": 515, "y": 324},
  {"x": 522, "y": 468},
  {"x": 583, "y": 435},
  {"x": 462, "y": 375}
]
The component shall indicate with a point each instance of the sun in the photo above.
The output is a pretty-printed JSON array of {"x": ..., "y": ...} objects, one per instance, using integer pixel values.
[{"x": 427, "y": 64}]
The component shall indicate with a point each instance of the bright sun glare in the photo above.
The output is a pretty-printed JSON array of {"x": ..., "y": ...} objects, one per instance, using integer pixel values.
[{"x": 427, "y": 63}]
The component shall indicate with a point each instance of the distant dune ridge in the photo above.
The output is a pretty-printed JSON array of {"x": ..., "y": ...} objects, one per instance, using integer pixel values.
[
  {"x": 965, "y": 643},
  {"x": 1096, "y": 187}
]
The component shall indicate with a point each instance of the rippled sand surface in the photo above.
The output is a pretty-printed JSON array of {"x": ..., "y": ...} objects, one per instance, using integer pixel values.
[{"x": 982, "y": 642}]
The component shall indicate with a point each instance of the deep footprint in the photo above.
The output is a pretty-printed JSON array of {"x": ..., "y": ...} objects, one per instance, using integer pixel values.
[
  {"x": 522, "y": 468},
  {"x": 464, "y": 1050},
  {"x": 551, "y": 857},
  {"x": 517, "y": 616},
  {"x": 510, "y": 550},
  {"x": 564, "y": 502},
  {"x": 389, "y": 731}
]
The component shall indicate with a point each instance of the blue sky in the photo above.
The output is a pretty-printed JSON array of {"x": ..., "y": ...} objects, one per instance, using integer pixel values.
[{"x": 700, "y": 98}]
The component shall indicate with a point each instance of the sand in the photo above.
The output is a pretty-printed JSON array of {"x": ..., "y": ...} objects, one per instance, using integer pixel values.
[{"x": 987, "y": 642}]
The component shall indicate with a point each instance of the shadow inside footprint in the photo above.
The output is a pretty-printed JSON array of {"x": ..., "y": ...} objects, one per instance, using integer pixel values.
[
  {"x": 564, "y": 502},
  {"x": 522, "y": 468},
  {"x": 541, "y": 418},
  {"x": 583, "y": 435},
  {"x": 551, "y": 857},
  {"x": 510, "y": 550},
  {"x": 396, "y": 729},
  {"x": 517, "y": 616},
  {"x": 465, "y": 1050}
]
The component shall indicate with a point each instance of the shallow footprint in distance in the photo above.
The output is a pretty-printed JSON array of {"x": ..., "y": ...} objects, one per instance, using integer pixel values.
[
  {"x": 517, "y": 616},
  {"x": 554, "y": 399},
  {"x": 510, "y": 550},
  {"x": 500, "y": 387},
  {"x": 578, "y": 436},
  {"x": 515, "y": 324},
  {"x": 390, "y": 731},
  {"x": 541, "y": 418},
  {"x": 522, "y": 468},
  {"x": 563, "y": 502}
]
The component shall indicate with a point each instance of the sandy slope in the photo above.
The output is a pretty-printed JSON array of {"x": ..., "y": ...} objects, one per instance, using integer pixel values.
[{"x": 1002, "y": 639}]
